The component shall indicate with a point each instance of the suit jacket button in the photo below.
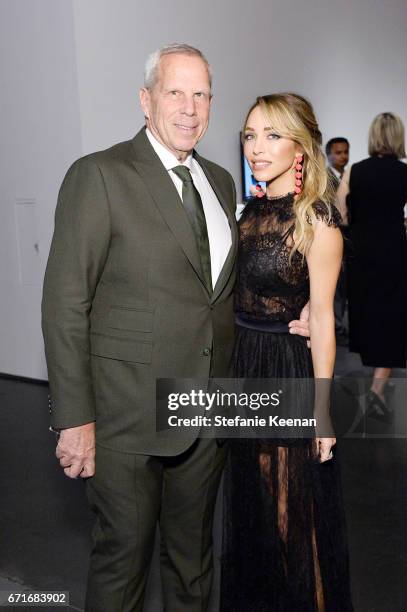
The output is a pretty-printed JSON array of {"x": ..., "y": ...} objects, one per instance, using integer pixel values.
[{"x": 206, "y": 351}]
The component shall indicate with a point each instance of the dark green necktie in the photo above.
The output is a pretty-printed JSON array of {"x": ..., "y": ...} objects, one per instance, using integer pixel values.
[{"x": 194, "y": 209}]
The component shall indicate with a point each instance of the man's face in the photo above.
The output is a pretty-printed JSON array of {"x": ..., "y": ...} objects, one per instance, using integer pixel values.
[
  {"x": 177, "y": 107},
  {"x": 339, "y": 156}
]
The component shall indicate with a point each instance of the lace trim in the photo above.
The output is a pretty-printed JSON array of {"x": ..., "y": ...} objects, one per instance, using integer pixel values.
[{"x": 282, "y": 206}]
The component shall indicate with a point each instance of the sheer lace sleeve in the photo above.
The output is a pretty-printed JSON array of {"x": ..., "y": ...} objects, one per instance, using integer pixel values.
[{"x": 332, "y": 217}]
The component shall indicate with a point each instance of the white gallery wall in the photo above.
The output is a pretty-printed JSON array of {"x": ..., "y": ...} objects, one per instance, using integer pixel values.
[
  {"x": 39, "y": 135},
  {"x": 70, "y": 73}
]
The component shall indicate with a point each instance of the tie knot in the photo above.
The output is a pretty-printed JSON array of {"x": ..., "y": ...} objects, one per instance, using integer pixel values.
[{"x": 183, "y": 173}]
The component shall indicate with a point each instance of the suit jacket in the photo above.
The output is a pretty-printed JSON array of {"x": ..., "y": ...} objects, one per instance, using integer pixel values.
[
  {"x": 124, "y": 298},
  {"x": 333, "y": 177}
]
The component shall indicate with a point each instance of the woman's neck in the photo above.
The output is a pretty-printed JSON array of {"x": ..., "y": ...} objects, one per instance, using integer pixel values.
[{"x": 281, "y": 185}]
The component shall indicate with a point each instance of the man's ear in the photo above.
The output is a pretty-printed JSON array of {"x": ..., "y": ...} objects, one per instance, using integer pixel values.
[{"x": 144, "y": 95}]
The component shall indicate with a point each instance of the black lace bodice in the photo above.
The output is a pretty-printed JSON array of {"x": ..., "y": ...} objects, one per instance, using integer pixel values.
[{"x": 269, "y": 286}]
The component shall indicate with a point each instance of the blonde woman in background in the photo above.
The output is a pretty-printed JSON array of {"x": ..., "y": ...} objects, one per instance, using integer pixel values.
[
  {"x": 284, "y": 545},
  {"x": 375, "y": 193}
]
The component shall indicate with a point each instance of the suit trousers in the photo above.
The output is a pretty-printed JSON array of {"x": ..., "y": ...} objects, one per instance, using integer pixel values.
[{"x": 130, "y": 494}]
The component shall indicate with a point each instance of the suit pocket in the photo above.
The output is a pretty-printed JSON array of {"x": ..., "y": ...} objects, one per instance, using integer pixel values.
[
  {"x": 121, "y": 348},
  {"x": 130, "y": 318}
]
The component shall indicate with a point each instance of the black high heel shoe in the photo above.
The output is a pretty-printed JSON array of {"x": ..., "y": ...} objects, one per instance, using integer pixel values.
[{"x": 378, "y": 409}]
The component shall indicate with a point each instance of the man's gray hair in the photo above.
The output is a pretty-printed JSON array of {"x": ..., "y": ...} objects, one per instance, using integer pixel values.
[{"x": 153, "y": 61}]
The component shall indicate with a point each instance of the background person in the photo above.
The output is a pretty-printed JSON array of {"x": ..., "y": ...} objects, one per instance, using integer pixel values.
[
  {"x": 337, "y": 152},
  {"x": 375, "y": 192}
]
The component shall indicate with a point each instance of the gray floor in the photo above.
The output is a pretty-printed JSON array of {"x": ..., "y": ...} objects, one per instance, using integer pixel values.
[{"x": 45, "y": 523}]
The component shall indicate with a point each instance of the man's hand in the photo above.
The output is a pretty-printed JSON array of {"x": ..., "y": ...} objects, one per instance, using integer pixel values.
[
  {"x": 76, "y": 451},
  {"x": 301, "y": 326}
]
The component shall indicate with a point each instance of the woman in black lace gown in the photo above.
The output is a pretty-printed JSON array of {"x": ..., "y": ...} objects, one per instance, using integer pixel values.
[{"x": 284, "y": 545}]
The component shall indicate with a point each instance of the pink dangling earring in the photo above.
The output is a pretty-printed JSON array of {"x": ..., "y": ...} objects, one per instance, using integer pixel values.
[
  {"x": 257, "y": 191},
  {"x": 298, "y": 174}
]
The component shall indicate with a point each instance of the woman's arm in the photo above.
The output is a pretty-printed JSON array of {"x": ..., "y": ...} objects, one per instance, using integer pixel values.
[
  {"x": 343, "y": 191},
  {"x": 324, "y": 262}
]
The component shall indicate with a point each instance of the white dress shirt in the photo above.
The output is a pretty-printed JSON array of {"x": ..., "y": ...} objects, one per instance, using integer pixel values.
[
  {"x": 336, "y": 173},
  {"x": 219, "y": 233}
]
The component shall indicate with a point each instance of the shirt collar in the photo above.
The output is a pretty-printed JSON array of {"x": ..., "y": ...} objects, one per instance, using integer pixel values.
[
  {"x": 167, "y": 158},
  {"x": 335, "y": 172}
]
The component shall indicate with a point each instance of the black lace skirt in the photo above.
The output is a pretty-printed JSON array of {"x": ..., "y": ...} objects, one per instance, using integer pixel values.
[{"x": 284, "y": 537}]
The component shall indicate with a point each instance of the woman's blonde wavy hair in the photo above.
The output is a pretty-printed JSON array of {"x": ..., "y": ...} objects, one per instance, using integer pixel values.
[{"x": 292, "y": 116}]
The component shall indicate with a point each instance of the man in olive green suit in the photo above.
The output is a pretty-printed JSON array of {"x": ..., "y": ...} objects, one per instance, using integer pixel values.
[{"x": 127, "y": 299}]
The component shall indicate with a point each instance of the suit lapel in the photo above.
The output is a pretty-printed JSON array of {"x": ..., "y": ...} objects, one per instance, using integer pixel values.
[
  {"x": 166, "y": 198},
  {"x": 230, "y": 259},
  {"x": 168, "y": 202}
]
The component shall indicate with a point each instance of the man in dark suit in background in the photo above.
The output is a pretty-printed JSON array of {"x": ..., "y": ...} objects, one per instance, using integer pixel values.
[
  {"x": 138, "y": 287},
  {"x": 337, "y": 152}
]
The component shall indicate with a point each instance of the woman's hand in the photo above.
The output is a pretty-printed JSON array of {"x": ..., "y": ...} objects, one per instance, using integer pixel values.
[
  {"x": 301, "y": 326},
  {"x": 324, "y": 448}
]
